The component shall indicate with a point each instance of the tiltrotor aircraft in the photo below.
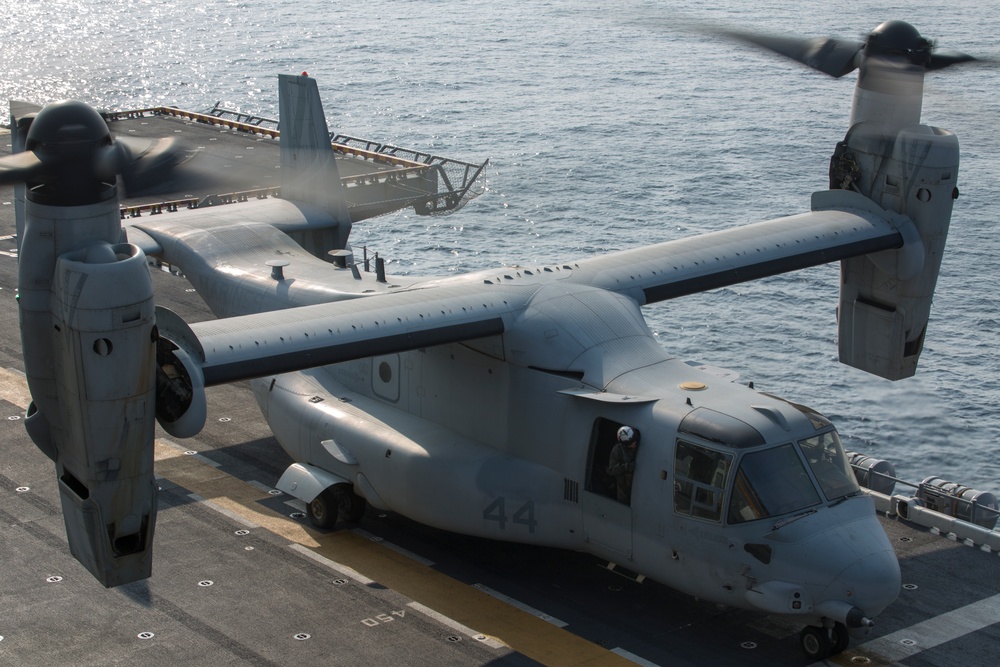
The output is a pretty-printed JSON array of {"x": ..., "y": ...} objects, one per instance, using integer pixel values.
[{"x": 489, "y": 403}]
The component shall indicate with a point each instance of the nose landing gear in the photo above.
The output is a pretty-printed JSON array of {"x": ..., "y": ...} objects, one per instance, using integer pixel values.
[{"x": 819, "y": 643}]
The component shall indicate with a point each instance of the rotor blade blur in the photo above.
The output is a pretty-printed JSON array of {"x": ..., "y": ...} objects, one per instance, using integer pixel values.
[
  {"x": 19, "y": 167},
  {"x": 826, "y": 54},
  {"x": 942, "y": 59},
  {"x": 165, "y": 165},
  {"x": 148, "y": 163}
]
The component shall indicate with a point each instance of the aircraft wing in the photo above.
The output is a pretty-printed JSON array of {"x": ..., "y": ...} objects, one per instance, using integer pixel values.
[
  {"x": 841, "y": 225},
  {"x": 144, "y": 241},
  {"x": 281, "y": 341}
]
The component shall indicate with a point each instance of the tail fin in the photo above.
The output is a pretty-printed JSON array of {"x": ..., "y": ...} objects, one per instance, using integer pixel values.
[{"x": 308, "y": 167}]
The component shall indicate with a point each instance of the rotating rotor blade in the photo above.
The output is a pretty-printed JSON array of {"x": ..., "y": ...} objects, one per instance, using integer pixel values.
[
  {"x": 20, "y": 167},
  {"x": 157, "y": 166},
  {"x": 825, "y": 54},
  {"x": 893, "y": 41},
  {"x": 148, "y": 164},
  {"x": 942, "y": 59},
  {"x": 68, "y": 157},
  {"x": 898, "y": 40},
  {"x": 70, "y": 151}
]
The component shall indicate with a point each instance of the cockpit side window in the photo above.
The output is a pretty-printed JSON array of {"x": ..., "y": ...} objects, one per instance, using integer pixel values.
[
  {"x": 700, "y": 480},
  {"x": 826, "y": 458}
]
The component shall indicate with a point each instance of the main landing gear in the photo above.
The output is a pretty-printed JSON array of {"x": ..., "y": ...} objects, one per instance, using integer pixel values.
[
  {"x": 337, "y": 502},
  {"x": 820, "y": 643}
]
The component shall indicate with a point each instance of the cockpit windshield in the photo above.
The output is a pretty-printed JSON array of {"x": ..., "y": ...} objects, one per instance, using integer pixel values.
[
  {"x": 771, "y": 482},
  {"x": 829, "y": 464},
  {"x": 774, "y": 481}
]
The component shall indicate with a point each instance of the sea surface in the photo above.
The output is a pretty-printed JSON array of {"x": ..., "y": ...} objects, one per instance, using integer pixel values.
[{"x": 608, "y": 125}]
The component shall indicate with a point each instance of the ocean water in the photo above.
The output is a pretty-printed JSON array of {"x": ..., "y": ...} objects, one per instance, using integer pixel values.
[{"x": 608, "y": 125}]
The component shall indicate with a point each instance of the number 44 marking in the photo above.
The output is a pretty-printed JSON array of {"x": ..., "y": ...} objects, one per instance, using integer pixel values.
[{"x": 525, "y": 515}]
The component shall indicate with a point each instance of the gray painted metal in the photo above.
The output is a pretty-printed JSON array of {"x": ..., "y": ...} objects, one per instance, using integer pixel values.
[{"x": 305, "y": 482}]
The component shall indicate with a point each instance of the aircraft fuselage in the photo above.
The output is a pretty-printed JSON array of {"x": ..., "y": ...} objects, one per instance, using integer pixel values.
[{"x": 459, "y": 438}]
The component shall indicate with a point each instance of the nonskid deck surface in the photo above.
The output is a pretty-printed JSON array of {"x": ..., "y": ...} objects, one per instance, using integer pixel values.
[{"x": 240, "y": 578}]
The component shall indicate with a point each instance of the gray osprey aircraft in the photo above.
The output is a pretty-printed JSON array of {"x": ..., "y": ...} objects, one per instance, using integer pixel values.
[{"x": 490, "y": 403}]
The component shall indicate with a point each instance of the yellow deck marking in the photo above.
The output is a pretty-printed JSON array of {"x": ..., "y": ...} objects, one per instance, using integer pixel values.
[
  {"x": 226, "y": 491},
  {"x": 14, "y": 388},
  {"x": 520, "y": 630}
]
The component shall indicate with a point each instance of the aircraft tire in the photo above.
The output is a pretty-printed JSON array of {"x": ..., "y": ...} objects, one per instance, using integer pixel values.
[
  {"x": 815, "y": 642},
  {"x": 323, "y": 510},
  {"x": 350, "y": 505},
  {"x": 841, "y": 639}
]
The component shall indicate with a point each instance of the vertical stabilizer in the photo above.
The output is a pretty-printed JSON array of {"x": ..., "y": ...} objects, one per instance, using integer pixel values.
[{"x": 308, "y": 167}]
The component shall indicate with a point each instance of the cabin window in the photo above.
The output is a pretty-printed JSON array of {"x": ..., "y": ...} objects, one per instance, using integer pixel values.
[
  {"x": 769, "y": 483},
  {"x": 825, "y": 456},
  {"x": 700, "y": 480}
]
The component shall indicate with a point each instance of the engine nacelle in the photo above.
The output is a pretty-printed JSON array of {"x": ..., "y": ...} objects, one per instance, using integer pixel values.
[
  {"x": 98, "y": 371},
  {"x": 885, "y": 298},
  {"x": 103, "y": 333}
]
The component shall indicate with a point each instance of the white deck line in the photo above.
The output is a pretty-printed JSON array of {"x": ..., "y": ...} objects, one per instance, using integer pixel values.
[
  {"x": 634, "y": 658},
  {"x": 938, "y": 630},
  {"x": 455, "y": 625},
  {"x": 933, "y": 632},
  {"x": 222, "y": 510}
]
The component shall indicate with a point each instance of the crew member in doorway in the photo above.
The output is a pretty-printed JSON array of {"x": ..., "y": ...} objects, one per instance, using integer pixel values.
[{"x": 622, "y": 462}]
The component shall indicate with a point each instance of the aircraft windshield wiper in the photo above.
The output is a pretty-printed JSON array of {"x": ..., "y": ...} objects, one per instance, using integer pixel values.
[
  {"x": 853, "y": 494},
  {"x": 792, "y": 519}
]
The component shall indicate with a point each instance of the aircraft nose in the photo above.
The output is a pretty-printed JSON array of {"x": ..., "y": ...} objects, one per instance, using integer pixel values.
[{"x": 872, "y": 582}]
